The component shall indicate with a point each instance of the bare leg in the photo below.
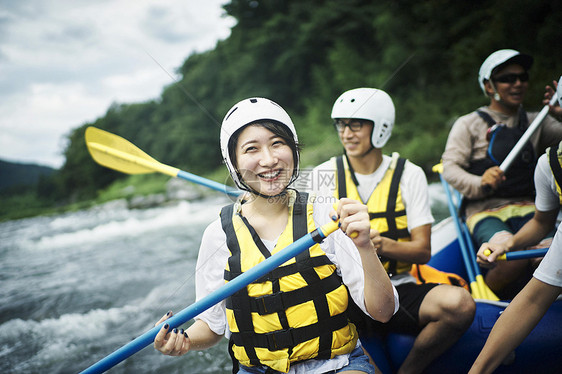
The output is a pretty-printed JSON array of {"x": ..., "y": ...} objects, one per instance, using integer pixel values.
[
  {"x": 446, "y": 312},
  {"x": 508, "y": 273}
]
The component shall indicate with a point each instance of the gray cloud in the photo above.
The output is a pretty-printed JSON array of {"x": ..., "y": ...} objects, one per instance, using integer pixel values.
[{"x": 63, "y": 62}]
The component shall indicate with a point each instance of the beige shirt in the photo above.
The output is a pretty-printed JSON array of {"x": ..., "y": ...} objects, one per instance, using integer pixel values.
[{"x": 467, "y": 143}]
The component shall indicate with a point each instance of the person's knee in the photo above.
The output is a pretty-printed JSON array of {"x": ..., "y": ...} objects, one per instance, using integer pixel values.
[
  {"x": 451, "y": 305},
  {"x": 458, "y": 308},
  {"x": 466, "y": 307}
]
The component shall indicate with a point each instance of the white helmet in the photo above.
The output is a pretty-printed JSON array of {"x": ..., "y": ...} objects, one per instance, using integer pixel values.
[
  {"x": 244, "y": 113},
  {"x": 559, "y": 91},
  {"x": 370, "y": 104},
  {"x": 499, "y": 58}
]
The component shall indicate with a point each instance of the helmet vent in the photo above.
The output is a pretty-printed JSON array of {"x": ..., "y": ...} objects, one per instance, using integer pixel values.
[
  {"x": 229, "y": 114},
  {"x": 253, "y": 101},
  {"x": 352, "y": 100}
]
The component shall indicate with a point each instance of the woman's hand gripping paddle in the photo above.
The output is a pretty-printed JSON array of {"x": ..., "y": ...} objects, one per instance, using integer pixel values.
[{"x": 213, "y": 298}]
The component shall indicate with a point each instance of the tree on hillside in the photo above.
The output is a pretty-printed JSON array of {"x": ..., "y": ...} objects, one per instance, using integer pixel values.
[{"x": 303, "y": 54}]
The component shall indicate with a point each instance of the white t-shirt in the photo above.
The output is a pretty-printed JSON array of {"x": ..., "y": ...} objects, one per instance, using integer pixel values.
[
  {"x": 545, "y": 185},
  {"x": 340, "y": 249},
  {"x": 413, "y": 184},
  {"x": 415, "y": 193},
  {"x": 550, "y": 268}
]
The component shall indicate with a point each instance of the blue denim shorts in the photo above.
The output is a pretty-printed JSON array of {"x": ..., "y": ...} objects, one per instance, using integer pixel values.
[{"x": 358, "y": 360}]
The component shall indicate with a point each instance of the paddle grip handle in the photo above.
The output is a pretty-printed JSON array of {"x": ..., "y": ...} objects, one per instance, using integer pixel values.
[{"x": 519, "y": 255}]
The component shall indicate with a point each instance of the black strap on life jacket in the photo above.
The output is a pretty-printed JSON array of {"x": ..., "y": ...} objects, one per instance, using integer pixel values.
[
  {"x": 243, "y": 305},
  {"x": 235, "y": 266},
  {"x": 391, "y": 214},
  {"x": 289, "y": 338},
  {"x": 280, "y": 271},
  {"x": 340, "y": 170},
  {"x": 523, "y": 120},
  {"x": 555, "y": 164}
]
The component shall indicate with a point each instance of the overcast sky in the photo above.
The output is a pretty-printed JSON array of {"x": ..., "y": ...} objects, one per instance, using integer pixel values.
[{"x": 63, "y": 62}]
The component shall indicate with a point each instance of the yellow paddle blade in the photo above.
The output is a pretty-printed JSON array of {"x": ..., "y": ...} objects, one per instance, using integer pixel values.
[
  {"x": 438, "y": 168},
  {"x": 480, "y": 290},
  {"x": 116, "y": 153},
  {"x": 475, "y": 290},
  {"x": 486, "y": 292}
]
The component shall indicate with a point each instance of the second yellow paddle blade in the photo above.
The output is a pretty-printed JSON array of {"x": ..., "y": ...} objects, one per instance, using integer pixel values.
[{"x": 116, "y": 153}]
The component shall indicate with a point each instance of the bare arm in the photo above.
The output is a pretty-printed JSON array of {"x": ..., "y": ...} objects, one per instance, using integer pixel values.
[
  {"x": 176, "y": 343},
  {"x": 534, "y": 230},
  {"x": 378, "y": 292},
  {"x": 416, "y": 251},
  {"x": 530, "y": 234},
  {"x": 514, "y": 324}
]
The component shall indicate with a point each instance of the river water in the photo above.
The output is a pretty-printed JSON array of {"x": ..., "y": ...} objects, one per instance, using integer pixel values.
[{"x": 78, "y": 286}]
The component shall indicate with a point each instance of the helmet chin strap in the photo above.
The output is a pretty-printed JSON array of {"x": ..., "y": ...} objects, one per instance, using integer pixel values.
[{"x": 496, "y": 95}]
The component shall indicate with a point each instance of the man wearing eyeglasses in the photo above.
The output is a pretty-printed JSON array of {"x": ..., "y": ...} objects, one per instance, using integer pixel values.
[
  {"x": 396, "y": 194},
  {"x": 498, "y": 204}
]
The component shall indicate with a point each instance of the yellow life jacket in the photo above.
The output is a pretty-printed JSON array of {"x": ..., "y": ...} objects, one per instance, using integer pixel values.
[
  {"x": 294, "y": 313},
  {"x": 554, "y": 155},
  {"x": 386, "y": 208}
]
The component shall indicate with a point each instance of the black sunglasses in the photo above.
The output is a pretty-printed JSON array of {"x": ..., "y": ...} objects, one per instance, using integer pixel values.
[
  {"x": 354, "y": 125},
  {"x": 512, "y": 78}
]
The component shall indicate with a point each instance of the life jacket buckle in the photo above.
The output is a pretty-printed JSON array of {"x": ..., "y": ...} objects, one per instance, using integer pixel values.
[
  {"x": 268, "y": 304},
  {"x": 280, "y": 339}
]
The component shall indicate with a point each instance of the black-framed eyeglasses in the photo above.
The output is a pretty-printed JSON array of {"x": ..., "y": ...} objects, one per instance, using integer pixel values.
[
  {"x": 354, "y": 124},
  {"x": 512, "y": 78}
]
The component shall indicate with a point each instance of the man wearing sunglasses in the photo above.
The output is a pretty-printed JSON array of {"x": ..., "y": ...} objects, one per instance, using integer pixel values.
[
  {"x": 396, "y": 194},
  {"x": 498, "y": 204}
]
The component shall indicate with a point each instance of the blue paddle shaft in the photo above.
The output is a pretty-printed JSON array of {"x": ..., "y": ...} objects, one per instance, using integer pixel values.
[
  {"x": 461, "y": 238},
  {"x": 205, "y": 303},
  {"x": 208, "y": 183},
  {"x": 530, "y": 253}
]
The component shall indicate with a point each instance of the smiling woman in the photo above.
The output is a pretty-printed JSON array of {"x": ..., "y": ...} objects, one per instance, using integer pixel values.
[
  {"x": 264, "y": 159},
  {"x": 297, "y": 316}
]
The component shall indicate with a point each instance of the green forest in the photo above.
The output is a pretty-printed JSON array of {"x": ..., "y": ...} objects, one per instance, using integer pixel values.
[{"x": 303, "y": 55}]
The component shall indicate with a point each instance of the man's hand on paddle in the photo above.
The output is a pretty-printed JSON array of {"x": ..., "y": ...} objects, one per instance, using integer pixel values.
[
  {"x": 174, "y": 343},
  {"x": 496, "y": 249},
  {"x": 493, "y": 177}
]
